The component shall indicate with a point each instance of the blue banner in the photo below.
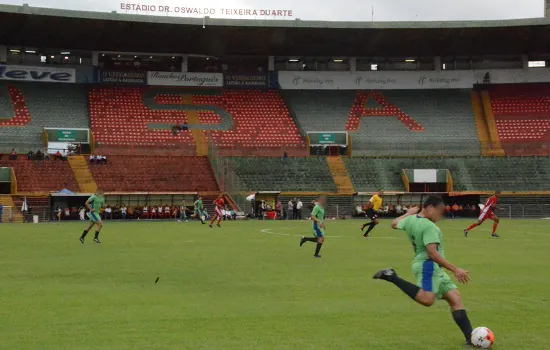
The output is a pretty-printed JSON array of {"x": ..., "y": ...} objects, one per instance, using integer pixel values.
[
  {"x": 122, "y": 77},
  {"x": 245, "y": 80}
]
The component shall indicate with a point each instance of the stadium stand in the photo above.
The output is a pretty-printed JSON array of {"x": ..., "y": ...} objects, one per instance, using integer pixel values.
[
  {"x": 309, "y": 174},
  {"x": 469, "y": 173},
  {"x": 239, "y": 120},
  {"x": 522, "y": 117},
  {"x": 27, "y": 108},
  {"x": 40, "y": 176},
  {"x": 154, "y": 174},
  {"x": 392, "y": 122}
]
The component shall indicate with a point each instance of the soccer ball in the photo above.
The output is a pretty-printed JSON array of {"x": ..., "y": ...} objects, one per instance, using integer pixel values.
[{"x": 483, "y": 338}]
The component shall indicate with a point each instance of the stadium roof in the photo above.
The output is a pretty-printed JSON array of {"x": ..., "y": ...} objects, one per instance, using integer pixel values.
[{"x": 43, "y": 27}]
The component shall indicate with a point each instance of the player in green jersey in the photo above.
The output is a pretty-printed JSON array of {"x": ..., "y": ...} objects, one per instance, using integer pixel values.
[
  {"x": 94, "y": 204},
  {"x": 429, "y": 261},
  {"x": 318, "y": 218},
  {"x": 198, "y": 209}
]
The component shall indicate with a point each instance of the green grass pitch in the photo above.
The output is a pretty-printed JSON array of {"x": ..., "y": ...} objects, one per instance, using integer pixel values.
[{"x": 250, "y": 286}]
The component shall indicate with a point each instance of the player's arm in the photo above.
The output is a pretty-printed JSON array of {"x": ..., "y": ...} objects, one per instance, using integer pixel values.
[
  {"x": 411, "y": 211},
  {"x": 461, "y": 275},
  {"x": 89, "y": 204}
]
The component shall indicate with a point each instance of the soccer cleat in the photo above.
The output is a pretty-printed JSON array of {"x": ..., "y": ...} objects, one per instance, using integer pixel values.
[
  {"x": 219, "y": 225},
  {"x": 210, "y": 225},
  {"x": 494, "y": 235},
  {"x": 317, "y": 256},
  {"x": 82, "y": 240},
  {"x": 365, "y": 236},
  {"x": 363, "y": 227},
  {"x": 302, "y": 241},
  {"x": 97, "y": 240},
  {"x": 385, "y": 274},
  {"x": 466, "y": 233}
]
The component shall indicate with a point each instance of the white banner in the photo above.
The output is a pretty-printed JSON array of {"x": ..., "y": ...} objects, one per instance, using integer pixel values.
[
  {"x": 48, "y": 74},
  {"x": 425, "y": 175},
  {"x": 185, "y": 79},
  {"x": 392, "y": 80}
]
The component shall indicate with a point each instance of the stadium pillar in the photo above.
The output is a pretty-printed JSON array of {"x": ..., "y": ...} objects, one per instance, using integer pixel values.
[
  {"x": 95, "y": 58},
  {"x": 353, "y": 64},
  {"x": 3, "y": 54},
  {"x": 184, "y": 63},
  {"x": 271, "y": 63},
  {"x": 437, "y": 63}
]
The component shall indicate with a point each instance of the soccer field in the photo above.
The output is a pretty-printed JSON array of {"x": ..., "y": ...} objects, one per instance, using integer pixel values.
[{"x": 250, "y": 286}]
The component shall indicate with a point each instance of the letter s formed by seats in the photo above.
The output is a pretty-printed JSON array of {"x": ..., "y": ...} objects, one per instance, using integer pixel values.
[{"x": 19, "y": 115}]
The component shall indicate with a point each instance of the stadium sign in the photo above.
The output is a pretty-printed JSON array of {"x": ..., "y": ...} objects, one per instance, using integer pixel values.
[
  {"x": 245, "y": 80},
  {"x": 185, "y": 79},
  {"x": 381, "y": 80},
  {"x": 48, "y": 74},
  {"x": 122, "y": 77}
]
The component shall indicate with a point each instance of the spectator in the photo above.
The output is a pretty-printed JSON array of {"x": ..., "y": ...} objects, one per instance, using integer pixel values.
[
  {"x": 104, "y": 160},
  {"x": 67, "y": 213},
  {"x": 30, "y": 155},
  {"x": 47, "y": 156},
  {"x": 290, "y": 210},
  {"x": 398, "y": 209},
  {"x": 58, "y": 155},
  {"x": 160, "y": 212},
  {"x": 39, "y": 155},
  {"x": 294, "y": 210},
  {"x": 108, "y": 213},
  {"x": 81, "y": 213},
  {"x": 454, "y": 211},
  {"x": 58, "y": 213},
  {"x": 263, "y": 209},
  {"x": 183, "y": 214},
  {"x": 279, "y": 208},
  {"x": 13, "y": 154},
  {"x": 299, "y": 206},
  {"x": 167, "y": 211},
  {"x": 92, "y": 158},
  {"x": 153, "y": 212},
  {"x": 123, "y": 212},
  {"x": 145, "y": 212}
]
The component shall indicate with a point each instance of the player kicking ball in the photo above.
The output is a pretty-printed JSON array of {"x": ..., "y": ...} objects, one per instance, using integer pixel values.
[
  {"x": 318, "y": 218},
  {"x": 218, "y": 207},
  {"x": 428, "y": 264},
  {"x": 198, "y": 210},
  {"x": 94, "y": 204},
  {"x": 487, "y": 213}
]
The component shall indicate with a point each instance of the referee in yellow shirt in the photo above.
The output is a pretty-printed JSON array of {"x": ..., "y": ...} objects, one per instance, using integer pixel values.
[{"x": 374, "y": 204}]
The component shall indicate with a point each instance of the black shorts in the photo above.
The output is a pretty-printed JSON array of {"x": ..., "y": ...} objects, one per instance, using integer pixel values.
[{"x": 371, "y": 214}]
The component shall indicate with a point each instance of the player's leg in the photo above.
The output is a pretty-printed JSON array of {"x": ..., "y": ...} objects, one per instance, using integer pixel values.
[
  {"x": 452, "y": 296},
  {"x": 318, "y": 236},
  {"x": 90, "y": 226},
  {"x": 220, "y": 216},
  {"x": 425, "y": 297},
  {"x": 214, "y": 217},
  {"x": 496, "y": 220},
  {"x": 99, "y": 225},
  {"x": 479, "y": 221},
  {"x": 372, "y": 225}
]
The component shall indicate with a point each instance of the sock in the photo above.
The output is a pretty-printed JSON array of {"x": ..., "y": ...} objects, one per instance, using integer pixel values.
[
  {"x": 219, "y": 219},
  {"x": 407, "y": 287},
  {"x": 495, "y": 225},
  {"x": 318, "y": 248},
  {"x": 371, "y": 226},
  {"x": 472, "y": 226},
  {"x": 96, "y": 234},
  {"x": 84, "y": 234},
  {"x": 463, "y": 322},
  {"x": 310, "y": 239}
]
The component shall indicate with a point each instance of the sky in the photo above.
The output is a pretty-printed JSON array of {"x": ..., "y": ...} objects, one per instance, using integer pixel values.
[{"x": 339, "y": 10}]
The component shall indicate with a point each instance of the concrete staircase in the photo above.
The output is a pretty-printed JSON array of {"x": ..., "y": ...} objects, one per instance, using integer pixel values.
[
  {"x": 82, "y": 174},
  {"x": 16, "y": 216},
  {"x": 201, "y": 143},
  {"x": 340, "y": 175}
]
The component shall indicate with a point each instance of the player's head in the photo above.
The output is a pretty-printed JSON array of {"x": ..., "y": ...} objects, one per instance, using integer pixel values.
[
  {"x": 497, "y": 193},
  {"x": 200, "y": 198},
  {"x": 100, "y": 192},
  {"x": 322, "y": 200},
  {"x": 380, "y": 193},
  {"x": 220, "y": 195},
  {"x": 433, "y": 208}
]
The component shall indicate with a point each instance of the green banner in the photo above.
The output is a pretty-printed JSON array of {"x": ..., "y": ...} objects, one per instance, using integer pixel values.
[
  {"x": 68, "y": 135},
  {"x": 328, "y": 138},
  {"x": 5, "y": 174}
]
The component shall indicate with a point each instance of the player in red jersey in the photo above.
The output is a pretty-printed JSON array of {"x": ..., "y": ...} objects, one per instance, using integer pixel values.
[
  {"x": 218, "y": 207},
  {"x": 487, "y": 213}
]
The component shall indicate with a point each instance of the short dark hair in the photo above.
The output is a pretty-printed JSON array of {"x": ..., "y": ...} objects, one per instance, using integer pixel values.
[
  {"x": 433, "y": 201},
  {"x": 497, "y": 192}
]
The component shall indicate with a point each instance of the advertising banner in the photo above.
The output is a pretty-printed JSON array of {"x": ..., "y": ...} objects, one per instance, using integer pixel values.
[
  {"x": 122, "y": 77},
  {"x": 245, "y": 80},
  {"x": 46, "y": 74},
  {"x": 381, "y": 80},
  {"x": 185, "y": 79}
]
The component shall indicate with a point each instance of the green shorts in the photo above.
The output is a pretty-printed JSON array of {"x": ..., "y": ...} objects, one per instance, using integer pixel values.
[
  {"x": 431, "y": 278},
  {"x": 94, "y": 217}
]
